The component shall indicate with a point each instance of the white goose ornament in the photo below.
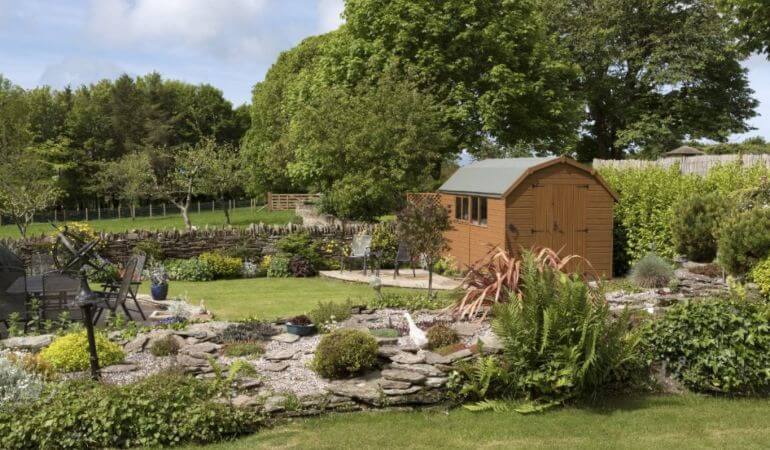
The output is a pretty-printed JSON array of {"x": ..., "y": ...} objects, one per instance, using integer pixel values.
[{"x": 417, "y": 335}]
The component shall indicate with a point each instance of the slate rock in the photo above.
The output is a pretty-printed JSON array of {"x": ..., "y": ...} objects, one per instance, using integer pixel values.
[
  {"x": 466, "y": 329},
  {"x": 286, "y": 338},
  {"x": 365, "y": 391},
  {"x": 202, "y": 347},
  {"x": 279, "y": 355},
  {"x": 275, "y": 403},
  {"x": 434, "y": 358},
  {"x": 189, "y": 361},
  {"x": 409, "y": 376},
  {"x": 386, "y": 340},
  {"x": 33, "y": 343},
  {"x": 137, "y": 344},
  {"x": 249, "y": 383},
  {"x": 424, "y": 369},
  {"x": 245, "y": 401},
  {"x": 388, "y": 350},
  {"x": 409, "y": 390},
  {"x": 391, "y": 384},
  {"x": 436, "y": 381},
  {"x": 460, "y": 354},
  {"x": 408, "y": 358},
  {"x": 118, "y": 368},
  {"x": 276, "y": 366}
]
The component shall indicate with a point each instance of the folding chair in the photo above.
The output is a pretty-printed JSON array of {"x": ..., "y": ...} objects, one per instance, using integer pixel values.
[
  {"x": 360, "y": 248},
  {"x": 403, "y": 255}
]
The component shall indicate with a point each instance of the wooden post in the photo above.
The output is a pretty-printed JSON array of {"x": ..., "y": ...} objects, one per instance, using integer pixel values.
[
  {"x": 199, "y": 206},
  {"x": 269, "y": 201},
  {"x": 118, "y": 210},
  {"x": 86, "y": 214},
  {"x": 99, "y": 211},
  {"x": 164, "y": 209},
  {"x": 54, "y": 215},
  {"x": 150, "y": 209},
  {"x": 64, "y": 213},
  {"x": 213, "y": 205}
]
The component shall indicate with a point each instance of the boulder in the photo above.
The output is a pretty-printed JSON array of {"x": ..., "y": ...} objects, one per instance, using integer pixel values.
[
  {"x": 33, "y": 343},
  {"x": 137, "y": 344},
  {"x": 279, "y": 355},
  {"x": 408, "y": 376}
]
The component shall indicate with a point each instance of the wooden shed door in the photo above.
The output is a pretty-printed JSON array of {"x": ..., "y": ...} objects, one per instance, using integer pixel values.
[{"x": 560, "y": 217}]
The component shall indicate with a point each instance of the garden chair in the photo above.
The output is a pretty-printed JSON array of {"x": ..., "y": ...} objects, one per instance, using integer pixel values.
[
  {"x": 113, "y": 299},
  {"x": 13, "y": 281},
  {"x": 58, "y": 294},
  {"x": 360, "y": 248},
  {"x": 403, "y": 255},
  {"x": 136, "y": 281},
  {"x": 40, "y": 264}
]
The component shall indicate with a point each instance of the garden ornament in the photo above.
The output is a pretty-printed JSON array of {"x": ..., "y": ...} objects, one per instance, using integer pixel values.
[{"x": 417, "y": 335}]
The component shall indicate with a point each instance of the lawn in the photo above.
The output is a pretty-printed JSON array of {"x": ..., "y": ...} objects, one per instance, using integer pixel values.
[
  {"x": 269, "y": 297},
  {"x": 648, "y": 422},
  {"x": 240, "y": 217}
]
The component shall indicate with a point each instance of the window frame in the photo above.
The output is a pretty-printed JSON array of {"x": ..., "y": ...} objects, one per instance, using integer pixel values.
[{"x": 472, "y": 209}]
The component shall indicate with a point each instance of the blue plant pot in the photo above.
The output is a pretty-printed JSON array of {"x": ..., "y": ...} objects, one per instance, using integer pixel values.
[
  {"x": 159, "y": 291},
  {"x": 300, "y": 330}
]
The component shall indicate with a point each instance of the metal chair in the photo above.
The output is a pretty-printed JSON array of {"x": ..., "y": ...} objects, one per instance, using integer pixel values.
[
  {"x": 58, "y": 294},
  {"x": 360, "y": 248},
  {"x": 40, "y": 264},
  {"x": 136, "y": 281},
  {"x": 403, "y": 255},
  {"x": 113, "y": 299}
]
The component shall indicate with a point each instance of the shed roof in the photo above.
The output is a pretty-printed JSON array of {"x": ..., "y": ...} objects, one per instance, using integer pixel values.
[
  {"x": 498, "y": 177},
  {"x": 684, "y": 151}
]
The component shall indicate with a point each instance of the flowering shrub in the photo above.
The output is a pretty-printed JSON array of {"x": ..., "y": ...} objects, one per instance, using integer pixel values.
[
  {"x": 279, "y": 267},
  {"x": 16, "y": 384},
  {"x": 189, "y": 270},
  {"x": 222, "y": 266},
  {"x": 69, "y": 353}
]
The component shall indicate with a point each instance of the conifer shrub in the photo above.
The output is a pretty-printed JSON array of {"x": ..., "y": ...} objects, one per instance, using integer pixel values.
[
  {"x": 344, "y": 353},
  {"x": 744, "y": 240},
  {"x": 441, "y": 335},
  {"x": 696, "y": 224}
]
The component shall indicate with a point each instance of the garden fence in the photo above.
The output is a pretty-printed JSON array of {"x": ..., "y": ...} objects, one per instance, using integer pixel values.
[
  {"x": 282, "y": 202},
  {"x": 149, "y": 210},
  {"x": 697, "y": 165}
]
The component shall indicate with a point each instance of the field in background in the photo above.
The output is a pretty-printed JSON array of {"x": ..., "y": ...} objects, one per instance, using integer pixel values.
[{"x": 239, "y": 217}]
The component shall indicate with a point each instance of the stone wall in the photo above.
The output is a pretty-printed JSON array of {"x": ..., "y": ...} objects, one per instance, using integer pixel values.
[{"x": 187, "y": 244}]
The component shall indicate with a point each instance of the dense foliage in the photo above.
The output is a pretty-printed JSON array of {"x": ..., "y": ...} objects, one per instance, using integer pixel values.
[
  {"x": 17, "y": 384},
  {"x": 248, "y": 331},
  {"x": 222, "y": 266},
  {"x": 278, "y": 266},
  {"x": 422, "y": 227},
  {"x": 696, "y": 224},
  {"x": 716, "y": 346},
  {"x": 441, "y": 335},
  {"x": 326, "y": 315},
  {"x": 744, "y": 240},
  {"x": 760, "y": 274},
  {"x": 69, "y": 353},
  {"x": 344, "y": 353},
  {"x": 652, "y": 271},
  {"x": 161, "y": 410},
  {"x": 192, "y": 269},
  {"x": 412, "y": 302},
  {"x": 299, "y": 266}
]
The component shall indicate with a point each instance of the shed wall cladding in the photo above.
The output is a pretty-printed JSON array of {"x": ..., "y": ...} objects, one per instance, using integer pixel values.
[{"x": 559, "y": 206}]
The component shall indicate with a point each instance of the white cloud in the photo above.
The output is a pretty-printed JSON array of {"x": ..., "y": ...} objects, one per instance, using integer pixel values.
[
  {"x": 330, "y": 14},
  {"x": 78, "y": 71},
  {"x": 209, "y": 25}
]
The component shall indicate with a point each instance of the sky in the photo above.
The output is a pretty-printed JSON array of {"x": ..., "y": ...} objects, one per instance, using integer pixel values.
[{"x": 227, "y": 43}]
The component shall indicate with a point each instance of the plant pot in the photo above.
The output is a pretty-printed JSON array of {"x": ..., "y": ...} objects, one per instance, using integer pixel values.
[
  {"x": 159, "y": 291},
  {"x": 300, "y": 330}
]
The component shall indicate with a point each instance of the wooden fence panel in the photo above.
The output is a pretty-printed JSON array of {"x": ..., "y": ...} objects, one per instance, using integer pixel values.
[
  {"x": 697, "y": 165},
  {"x": 283, "y": 202}
]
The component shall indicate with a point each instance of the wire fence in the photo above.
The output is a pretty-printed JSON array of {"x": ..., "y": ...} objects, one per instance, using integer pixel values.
[{"x": 158, "y": 209}]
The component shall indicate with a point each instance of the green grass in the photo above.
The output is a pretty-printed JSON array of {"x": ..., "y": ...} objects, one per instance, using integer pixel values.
[
  {"x": 269, "y": 297},
  {"x": 648, "y": 422},
  {"x": 240, "y": 217}
]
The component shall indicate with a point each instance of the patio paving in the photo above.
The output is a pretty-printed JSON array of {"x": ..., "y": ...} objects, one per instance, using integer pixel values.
[{"x": 404, "y": 280}]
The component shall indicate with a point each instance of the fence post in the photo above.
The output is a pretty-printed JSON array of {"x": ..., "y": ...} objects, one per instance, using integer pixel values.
[
  {"x": 64, "y": 214},
  {"x": 54, "y": 215},
  {"x": 118, "y": 210},
  {"x": 269, "y": 201},
  {"x": 150, "y": 209},
  {"x": 199, "y": 206},
  {"x": 212, "y": 205},
  {"x": 86, "y": 214},
  {"x": 164, "y": 210},
  {"x": 99, "y": 212}
]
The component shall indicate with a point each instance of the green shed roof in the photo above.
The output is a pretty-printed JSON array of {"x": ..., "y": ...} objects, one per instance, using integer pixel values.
[{"x": 491, "y": 177}]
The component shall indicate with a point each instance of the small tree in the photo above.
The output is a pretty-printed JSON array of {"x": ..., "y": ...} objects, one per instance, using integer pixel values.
[
  {"x": 421, "y": 228},
  {"x": 130, "y": 179},
  {"x": 223, "y": 174},
  {"x": 28, "y": 185},
  {"x": 179, "y": 174}
]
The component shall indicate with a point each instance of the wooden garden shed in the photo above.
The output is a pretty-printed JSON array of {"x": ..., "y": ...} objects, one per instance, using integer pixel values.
[{"x": 521, "y": 203}]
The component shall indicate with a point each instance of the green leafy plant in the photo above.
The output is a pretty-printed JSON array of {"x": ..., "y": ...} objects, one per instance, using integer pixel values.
[
  {"x": 222, "y": 266},
  {"x": 412, "y": 302},
  {"x": 760, "y": 274},
  {"x": 384, "y": 243},
  {"x": 744, "y": 240},
  {"x": 344, "y": 353},
  {"x": 327, "y": 314},
  {"x": 192, "y": 269},
  {"x": 165, "y": 346},
  {"x": 248, "y": 330},
  {"x": 301, "y": 267},
  {"x": 696, "y": 224},
  {"x": 279, "y": 267},
  {"x": 69, "y": 353},
  {"x": 152, "y": 249},
  {"x": 447, "y": 266},
  {"x": 17, "y": 384},
  {"x": 652, "y": 271},
  {"x": 300, "y": 244},
  {"x": 236, "y": 349},
  {"x": 441, "y": 335},
  {"x": 716, "y": 346},
  {"x": 162, "y": 410}
]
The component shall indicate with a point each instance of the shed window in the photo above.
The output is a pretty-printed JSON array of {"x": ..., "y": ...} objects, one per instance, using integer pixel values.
[
  {"x": 458, "y": 208},
  {"x": 465, "y": 208},
  {"x": 475, "y": 210},
  {"x": 483, "y": 210}
]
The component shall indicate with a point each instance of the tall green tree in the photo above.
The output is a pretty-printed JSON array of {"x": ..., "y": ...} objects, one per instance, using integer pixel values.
[
  {"x": 28, "y": 186},
  {"x": 489, "y": 63},
  {"x": 223, "y": 175},
  {"x": 15, "y": 131},
  {"x": 752, "y": 22},
  {"x": 653, "y": 72},
  {"x": 364, "y": 148},
  {"x": 130, "y": 179}
]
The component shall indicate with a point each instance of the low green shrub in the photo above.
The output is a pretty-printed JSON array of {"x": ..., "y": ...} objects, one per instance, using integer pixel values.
[
  {"x": 152, "y": 249},
  {"x": 301, "y": 267},
  {"x": 412, "y": 302},
  {"x": 744, "y": 240},
  {"x": 162, "y": 410},
  {"x": 279, "y": 266},
  {"x": 327, "y": 314},
  {"x": 248, "y": 330},
  {"x": 165, "y": 346},
  {"x": 236, "y": 349},
  {"x": 192, "y": 269},
  {"x": 447, "y": 266},
  {"x": 716, "y": 346},
  {"x": 696, "y": 224},
  {"x": 441, "y": 335},
  {"x": 109, "y": 273},
  {"x": 652, "y": 271},
  {"x": 385, "y": 243},
  {"x": 760, "y": 274},
  {"x": 17, "y": 384},
  {"x": 345, "y": 353},
  {"x": 69, "y": 353},
  {"x": 300, "y": 244},
  {"x": 222, "y": 266}
]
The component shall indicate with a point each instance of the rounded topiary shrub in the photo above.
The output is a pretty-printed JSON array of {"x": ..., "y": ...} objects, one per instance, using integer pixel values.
[
  {"x": 652, "y": 271},
  {"x": 696, "y": 224},
  {"x": 717, "y": 346},
  {"x": 345, "y": 353},
  {"x": 744, "y": 240},
  {"x": 441, "y": 335},
  {"x": 69, "y": 353}
]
